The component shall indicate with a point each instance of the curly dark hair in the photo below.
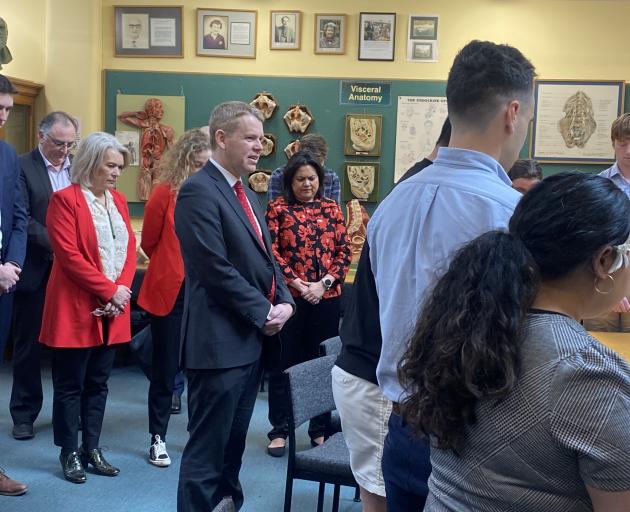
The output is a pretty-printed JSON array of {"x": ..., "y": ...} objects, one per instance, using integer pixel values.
[{"x": 466, "y": 344}]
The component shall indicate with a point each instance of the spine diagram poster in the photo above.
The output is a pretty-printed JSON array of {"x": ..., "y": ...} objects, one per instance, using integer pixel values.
[
  {"x": 419, "y": 121},
  {"x": 572, "y": 120}
]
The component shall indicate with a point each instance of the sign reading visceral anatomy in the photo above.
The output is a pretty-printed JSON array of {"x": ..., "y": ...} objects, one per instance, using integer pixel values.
[{"x": 364, "y": 93}]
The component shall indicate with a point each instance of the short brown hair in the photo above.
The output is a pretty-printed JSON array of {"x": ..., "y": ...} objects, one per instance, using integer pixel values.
[
  {"x": 316, "y": 145},
  {"x": 225, "y": 117},
  {"x": 6, "y": 87},
  {"x": 621, "y": 127}
]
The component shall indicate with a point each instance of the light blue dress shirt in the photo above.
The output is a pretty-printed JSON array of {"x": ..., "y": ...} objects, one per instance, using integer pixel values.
[
  {"x": 414, "y": 233},
  {"x": 614, "y": 174}
]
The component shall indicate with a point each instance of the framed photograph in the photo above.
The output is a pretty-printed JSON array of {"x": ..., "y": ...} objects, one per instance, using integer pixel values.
[
  {"x": 360, "y": 181},
  {"x": 572, "y": 120},
  {"x": 422, "y": 51},
  {"x": 148, "y": 31},
  {"x": 330, "y": 34},
  {"x": 286, "y": 30},
  {"x": 226, "y": 33},
  {"x": 363, "y": 135},
  {"x": 423, "y": 28},
  {"x": 377, "y": 35}
]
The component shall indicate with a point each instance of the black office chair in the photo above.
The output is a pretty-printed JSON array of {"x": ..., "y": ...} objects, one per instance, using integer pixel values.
[{"x": 310, "y": 391}]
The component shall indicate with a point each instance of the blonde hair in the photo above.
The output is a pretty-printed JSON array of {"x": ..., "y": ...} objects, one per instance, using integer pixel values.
[
  {"x": 91, "y": 154},
  {"x": 177, "y": 163}
]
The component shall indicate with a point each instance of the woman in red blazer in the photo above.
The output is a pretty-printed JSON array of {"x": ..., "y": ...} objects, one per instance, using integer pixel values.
[
  {"x": 162, "y": 293},
  {"x": 86, "y": 313}
]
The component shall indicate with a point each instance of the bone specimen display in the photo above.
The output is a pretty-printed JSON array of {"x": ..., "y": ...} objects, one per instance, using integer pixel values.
[
  {"x": 268, "y": 144},
  {"x": 265, "y": 102},
  {"x": 356, "y": 227},
  {"x": 578, "y": 123},
  {"x": 298, "y": 118},
  {"x": 259, "y": 181},
  {"x": 291, "y": 148},
  {"x": 363, "y": 134},
  {"x": 361, "y": 178}
]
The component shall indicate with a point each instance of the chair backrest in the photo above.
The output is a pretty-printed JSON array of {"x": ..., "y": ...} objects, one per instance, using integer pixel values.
[
  {"x": 310, "y": 388},
  {"x": 331, "y": 346}
]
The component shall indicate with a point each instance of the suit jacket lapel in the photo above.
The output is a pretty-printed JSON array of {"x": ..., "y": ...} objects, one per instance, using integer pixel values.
[
  {"x": 39, "y": 166},
  {"x": 230, "y": 197}
]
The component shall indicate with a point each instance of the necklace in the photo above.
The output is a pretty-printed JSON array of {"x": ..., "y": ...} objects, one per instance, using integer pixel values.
[{"x": 109, "y": 218}]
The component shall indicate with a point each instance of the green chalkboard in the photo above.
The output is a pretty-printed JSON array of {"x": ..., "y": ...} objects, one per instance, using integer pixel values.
[{"x": 321, "y": 95}]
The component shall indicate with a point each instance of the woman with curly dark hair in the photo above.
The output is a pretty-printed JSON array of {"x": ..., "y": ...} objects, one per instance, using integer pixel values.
[{"x": 527, "y": 411}]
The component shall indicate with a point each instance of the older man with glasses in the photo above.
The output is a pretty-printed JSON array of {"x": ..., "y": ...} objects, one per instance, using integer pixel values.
[{"x": 43, "y": 171}]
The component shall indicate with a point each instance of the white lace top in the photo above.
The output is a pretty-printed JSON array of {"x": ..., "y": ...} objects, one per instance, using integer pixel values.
[{"x": 111, "y": 233}]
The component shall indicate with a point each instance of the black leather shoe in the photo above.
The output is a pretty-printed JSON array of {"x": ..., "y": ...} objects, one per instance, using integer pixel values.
[
  {"x": 176, "y": 404},
  {"x": 23, "y": 431},
  {"x": 98, "y": 462},
  {"x": 277, "y": 451},
  {"x": 73, "y": 470}
]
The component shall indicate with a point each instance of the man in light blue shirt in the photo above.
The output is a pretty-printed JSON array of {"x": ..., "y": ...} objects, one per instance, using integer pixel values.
[
  {"x": 618, "y": 320},
  {"x": 417, "y": 228}
]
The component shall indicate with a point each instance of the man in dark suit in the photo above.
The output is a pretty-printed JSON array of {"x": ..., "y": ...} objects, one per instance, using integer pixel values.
[
  {"x": 235, "y": 300},
  {"x": 12, "y": 242},
  {"x": 44, "y": 171}
]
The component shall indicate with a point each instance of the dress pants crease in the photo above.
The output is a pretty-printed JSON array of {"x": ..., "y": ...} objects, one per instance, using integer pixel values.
[
  {"x": 220, "y": 407},
  {"x": 26, "y": 393}
]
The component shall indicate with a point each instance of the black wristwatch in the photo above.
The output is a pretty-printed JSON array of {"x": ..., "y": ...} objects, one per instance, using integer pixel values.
[{"x": 327, "y": 282}]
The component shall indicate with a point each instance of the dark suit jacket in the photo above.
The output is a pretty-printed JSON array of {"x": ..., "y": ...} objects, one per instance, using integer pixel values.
[
  {"x": 228, "y": 274},
  {"x": 36, "y": 189},
  {"x": 12, "y": 208}
]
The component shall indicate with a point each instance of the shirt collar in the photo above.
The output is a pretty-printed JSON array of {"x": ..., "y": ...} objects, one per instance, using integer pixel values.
[
  {"x": 469, "y": 158},
  {"x": 91, "y": 198},
  {"x": 231, "y": 179},
  {"x": 614, "y": 170},
  {"x": 64, "y": 167}
]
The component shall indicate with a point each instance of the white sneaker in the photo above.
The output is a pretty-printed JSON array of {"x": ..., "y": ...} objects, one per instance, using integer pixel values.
[{"x": 158, "y": 455}]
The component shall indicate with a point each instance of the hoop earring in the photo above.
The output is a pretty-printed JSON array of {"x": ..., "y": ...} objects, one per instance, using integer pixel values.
[{"x": 612, "y": 287}]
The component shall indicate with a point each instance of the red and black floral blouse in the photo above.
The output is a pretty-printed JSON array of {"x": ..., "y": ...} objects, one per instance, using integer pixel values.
[{"x": 309, "y": 241}]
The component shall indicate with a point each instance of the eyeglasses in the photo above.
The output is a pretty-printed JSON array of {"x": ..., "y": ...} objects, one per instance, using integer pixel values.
[{"x": 60, "y": 144}]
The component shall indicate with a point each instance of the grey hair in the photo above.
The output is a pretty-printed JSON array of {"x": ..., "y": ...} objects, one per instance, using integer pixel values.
[
  {"x": 225, "y": 116},
  {"x": 90, "y": 156},
  {"x": 57, "y": 117}
]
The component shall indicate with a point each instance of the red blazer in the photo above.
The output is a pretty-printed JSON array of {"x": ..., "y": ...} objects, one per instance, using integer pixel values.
[
  {"x": 165, "y": 274},
  {"x": 77, "y": 284}
]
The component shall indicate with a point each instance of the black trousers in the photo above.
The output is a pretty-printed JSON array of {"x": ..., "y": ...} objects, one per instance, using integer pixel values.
[
  {"x": 26, "y": 394},
  {"x": 80, "y": 387},
  {"x": 220, "y": 406},
  {"x": 165, "y": 331},
  {"x": 300, "y": 338}
]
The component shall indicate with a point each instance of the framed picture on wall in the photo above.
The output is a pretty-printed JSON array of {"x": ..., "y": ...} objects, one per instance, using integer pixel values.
[
  {"x": 363, "y": 135},
  {"x": 285, "y": 31},
  {"x": 330, "y": 34},
  {"x": 360, "y": 181},
  {"x": 572, "y": 120},
  {"x": 148, "y": 31},
  {"x": 423, "y": 28},
  {"x": 377, "y": 35},
  {"x": 226, "y": 33}
]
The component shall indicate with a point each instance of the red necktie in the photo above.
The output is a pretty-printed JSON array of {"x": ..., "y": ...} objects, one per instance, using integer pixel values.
[{"x": 242, "y": 198}]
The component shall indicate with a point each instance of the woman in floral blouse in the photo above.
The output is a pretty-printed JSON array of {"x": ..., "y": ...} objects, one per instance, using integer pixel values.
[{"x": 309, "y": 242}]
